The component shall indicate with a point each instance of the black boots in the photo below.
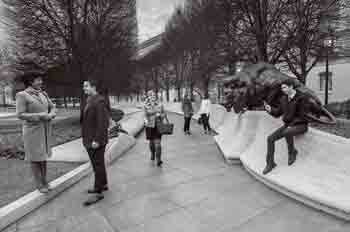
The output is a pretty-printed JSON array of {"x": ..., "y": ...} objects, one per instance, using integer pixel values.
[
  {"x": 159, "y": 156},
  {"x": 292, "y": 157},
  {"x": 152, "y": 148},
  {"x": 271, "y": 164},
  {"x": 269, "y": 167}
]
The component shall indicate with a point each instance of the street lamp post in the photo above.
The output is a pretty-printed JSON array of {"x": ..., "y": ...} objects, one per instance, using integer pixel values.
[
  {"x": 328, "y": 43},
  {"x": 326, "y": 80}
]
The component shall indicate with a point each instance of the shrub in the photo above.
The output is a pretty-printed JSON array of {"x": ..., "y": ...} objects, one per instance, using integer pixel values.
[{"x": 340, "y": 109}]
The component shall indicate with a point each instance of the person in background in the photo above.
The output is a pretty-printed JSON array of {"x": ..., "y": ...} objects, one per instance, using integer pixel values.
[
  {"x": 154, "y": 114},
  {"x": 294, "y": 121},
  {"x": 188, "y": 113},
  {"x": 204, "y": 112},
  {"x": 37, "y": 111},
  {"x": 95, "y": 123}
]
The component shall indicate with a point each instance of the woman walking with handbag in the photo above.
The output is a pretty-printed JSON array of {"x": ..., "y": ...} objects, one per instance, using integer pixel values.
[
  {"x": 34, "y": 107},
  {"x": 154, "y": 115}
]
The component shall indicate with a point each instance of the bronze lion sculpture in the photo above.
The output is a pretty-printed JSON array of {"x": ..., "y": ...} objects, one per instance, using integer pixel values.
[{"x": 261, "y": 82}]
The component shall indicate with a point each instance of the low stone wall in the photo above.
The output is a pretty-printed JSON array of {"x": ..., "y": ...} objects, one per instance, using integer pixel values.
[{"x": 320, "y": 177}]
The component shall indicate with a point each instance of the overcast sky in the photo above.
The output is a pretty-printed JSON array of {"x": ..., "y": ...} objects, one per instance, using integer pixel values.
[{"x": 152, "y": 16}]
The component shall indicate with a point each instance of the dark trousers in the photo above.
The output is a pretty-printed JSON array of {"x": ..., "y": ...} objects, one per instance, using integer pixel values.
[
  {"x": 97, "y": 158},
  {"x": 287, "y": 132},
  {"x": 187, "y": 123},
  {"x": 205, "y": 121}
]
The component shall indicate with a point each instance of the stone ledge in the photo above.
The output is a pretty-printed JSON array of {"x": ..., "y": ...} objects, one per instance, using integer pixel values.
[
  {"x": 236, "y": 134},
  {"x": 305, "y": 200},
  {"x": 319, "y": 177},
  {"x": 24, "y": 205}
]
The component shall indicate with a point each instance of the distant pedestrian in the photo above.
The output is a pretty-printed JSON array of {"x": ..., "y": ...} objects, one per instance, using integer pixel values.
[
  {"x": 95, "y": 137},
  {"x": 294, "y": 123},
  {"x": 187, "y": 109},
  {"x": 154, "y": 114},
  {"x": 204, "y": 112},
  {"x": 35, "y": 108}
]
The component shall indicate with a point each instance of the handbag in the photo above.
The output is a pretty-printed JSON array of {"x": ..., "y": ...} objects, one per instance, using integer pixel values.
[{"x": 165, "y": 128}]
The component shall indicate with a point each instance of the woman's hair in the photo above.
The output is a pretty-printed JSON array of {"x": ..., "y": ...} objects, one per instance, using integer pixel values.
[
  {"x": 28, "y": 78},
  {"x": 206, "y": 95}
]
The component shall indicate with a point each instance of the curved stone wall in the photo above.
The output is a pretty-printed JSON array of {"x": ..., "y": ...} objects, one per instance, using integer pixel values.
[{"x": 320, "y": 177}]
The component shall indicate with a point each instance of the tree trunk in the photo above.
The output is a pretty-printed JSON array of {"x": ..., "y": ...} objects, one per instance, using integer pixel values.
[
  {"x": 191, "y": 91},
  {"x": 167, "y": 94},
  {"x": 65, "y": 102},
  {"x": 178, "y": 93}
]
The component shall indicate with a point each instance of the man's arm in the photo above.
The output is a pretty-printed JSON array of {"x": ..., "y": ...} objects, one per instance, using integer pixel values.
[
  {"x": 274, "y": 111},
  {"x": 102, "y": 122}
]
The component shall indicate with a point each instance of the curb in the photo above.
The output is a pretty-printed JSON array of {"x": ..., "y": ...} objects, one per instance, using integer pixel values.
[{"x": 14, "y": 211}]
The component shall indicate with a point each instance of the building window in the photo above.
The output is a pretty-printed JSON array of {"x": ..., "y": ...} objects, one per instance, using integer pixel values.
[{"x": 323, "y": 80}]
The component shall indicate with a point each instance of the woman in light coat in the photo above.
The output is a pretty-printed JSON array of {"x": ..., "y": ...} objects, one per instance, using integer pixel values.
[
  {"x": 35, "y": 108},
  {"x": 204, "y": 112},
  {"x": 154, "y": 114}
]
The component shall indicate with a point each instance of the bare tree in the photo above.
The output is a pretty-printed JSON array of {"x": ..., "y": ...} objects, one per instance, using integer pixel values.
[
  {"x": 89, "y": 38},
  {"x": 316, "y": 22}
]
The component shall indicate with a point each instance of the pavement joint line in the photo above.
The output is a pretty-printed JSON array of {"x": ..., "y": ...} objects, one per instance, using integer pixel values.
[
  {"x": 15, "y": 210},
  {"x": 257, "y": 214}
]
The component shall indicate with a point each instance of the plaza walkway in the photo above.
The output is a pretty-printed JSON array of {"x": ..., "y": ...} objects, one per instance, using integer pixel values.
[{"x": 195, "y": 190}]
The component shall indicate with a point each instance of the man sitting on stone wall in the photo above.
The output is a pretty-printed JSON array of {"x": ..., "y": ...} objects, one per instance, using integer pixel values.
[{"x": 294, "y": 120}]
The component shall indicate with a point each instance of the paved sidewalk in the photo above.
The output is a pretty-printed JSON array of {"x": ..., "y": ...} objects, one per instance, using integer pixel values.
[{"x": 194, "y": 191}]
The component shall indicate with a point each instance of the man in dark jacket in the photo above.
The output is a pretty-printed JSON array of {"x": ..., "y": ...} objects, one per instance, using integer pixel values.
[
  {"x": 95, "y": 137},
  {"x": 294, "y": 123}
]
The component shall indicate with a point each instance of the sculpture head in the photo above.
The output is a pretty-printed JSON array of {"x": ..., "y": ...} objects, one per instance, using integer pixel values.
[{"x": 263, "y": 82}]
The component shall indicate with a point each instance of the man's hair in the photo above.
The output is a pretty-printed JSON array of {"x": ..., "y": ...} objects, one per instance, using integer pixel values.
[{"x": 290, "y": 82}]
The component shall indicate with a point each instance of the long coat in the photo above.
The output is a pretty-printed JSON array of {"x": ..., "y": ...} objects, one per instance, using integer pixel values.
[
  {"x": 37, "y": 133},
  {"x": 187, "y": 107},
  {"x": 95, "y": 121}
]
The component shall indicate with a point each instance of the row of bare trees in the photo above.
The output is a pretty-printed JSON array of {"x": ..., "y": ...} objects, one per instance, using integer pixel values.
[
  {"x": 81, "y": 39},
  {"x": 205, "y": 39}
]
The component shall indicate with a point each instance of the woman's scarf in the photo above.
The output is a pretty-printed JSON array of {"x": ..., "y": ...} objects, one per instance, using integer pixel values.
[
  {"x": 36, "y": 94},
  {"x": 150, "y": 102}
]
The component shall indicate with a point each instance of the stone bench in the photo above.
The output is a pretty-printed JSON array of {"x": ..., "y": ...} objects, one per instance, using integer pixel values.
[
  {"x": 236, "y": 134},
  {"x": 320, "y": 177}
]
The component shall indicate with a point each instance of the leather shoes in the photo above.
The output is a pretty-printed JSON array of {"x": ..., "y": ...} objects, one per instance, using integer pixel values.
[
  {"x": 93, "y": 191},
  {"x": 93, "y": 199},
  {"x": 292, "y": 157},
  {"x": 159, "y": 164},
  {"x": 269, "y": 168}
]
